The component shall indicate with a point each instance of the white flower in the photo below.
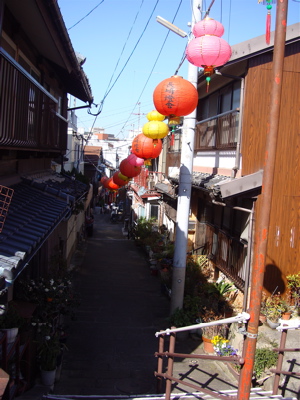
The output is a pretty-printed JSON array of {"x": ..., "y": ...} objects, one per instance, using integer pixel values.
[
  {"x": 51, "y": 282},
  {"x": 47, "y": 337},
  {"x": 46, "y": 290}
]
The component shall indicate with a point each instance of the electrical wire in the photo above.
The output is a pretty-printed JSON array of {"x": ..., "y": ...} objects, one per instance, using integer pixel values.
[
  {"x": 137, "y": 14},
  {"x": 156, "y": 60},
  {"x": 131, "y": 54},
  {"x": 86, "y": 15}
]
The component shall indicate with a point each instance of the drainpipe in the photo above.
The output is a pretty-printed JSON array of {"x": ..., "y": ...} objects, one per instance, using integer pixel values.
[
  {"x": 250, "y": 245},
  {"x": 238, "y": 142}
]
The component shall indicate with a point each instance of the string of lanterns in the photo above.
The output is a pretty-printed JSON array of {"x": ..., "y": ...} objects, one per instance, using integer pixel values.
[{"x": 173, "y": 98}]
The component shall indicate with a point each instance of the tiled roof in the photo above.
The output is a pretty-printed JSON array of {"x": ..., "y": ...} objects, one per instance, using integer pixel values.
[
  {"x": 38, "y": 205},
  {"x": 202, "y": 180}
]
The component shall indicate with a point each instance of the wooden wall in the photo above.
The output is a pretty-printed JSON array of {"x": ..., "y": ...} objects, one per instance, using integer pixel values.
[{"x": 283, "y": 255}]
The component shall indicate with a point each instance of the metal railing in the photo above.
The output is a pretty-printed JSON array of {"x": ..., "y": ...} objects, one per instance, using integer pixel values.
[
  {"x": 28, "y": 112},
  {"x": 170, "y": 355}
]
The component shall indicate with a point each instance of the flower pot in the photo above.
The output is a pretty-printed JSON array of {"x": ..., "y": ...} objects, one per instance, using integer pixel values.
[
  {"x": 207, "y": 345},
  {"x": 286, "y": 315},
  {"x": 272, "y": 324},
  {"x": 262, "y": 318},
  {"x": 48, "y": 377}
]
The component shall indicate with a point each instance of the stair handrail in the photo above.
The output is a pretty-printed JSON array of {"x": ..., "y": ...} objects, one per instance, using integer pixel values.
[{"x": 241, "y": 317}]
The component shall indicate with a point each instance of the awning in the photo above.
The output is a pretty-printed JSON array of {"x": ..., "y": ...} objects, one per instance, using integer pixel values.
[{"x": 33, "y": 215}]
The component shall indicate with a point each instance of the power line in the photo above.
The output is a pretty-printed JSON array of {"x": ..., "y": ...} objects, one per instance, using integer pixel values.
[
  {"x": 86, "y": 15},
  {"x": 117, "y": 78}
]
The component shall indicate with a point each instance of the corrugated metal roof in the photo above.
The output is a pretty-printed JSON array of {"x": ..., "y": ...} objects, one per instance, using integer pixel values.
[{"x": 32, "y": 216}]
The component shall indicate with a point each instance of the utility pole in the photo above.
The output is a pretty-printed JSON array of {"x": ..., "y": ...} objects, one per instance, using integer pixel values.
[
  {"x": 262, "y": 225},
  {"x": 185, "y": 186}
]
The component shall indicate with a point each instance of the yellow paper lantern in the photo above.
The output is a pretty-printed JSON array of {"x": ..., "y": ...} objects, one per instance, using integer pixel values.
[
  {"x": 155, "y": 116},
  {"x": 155, "y": 129}
]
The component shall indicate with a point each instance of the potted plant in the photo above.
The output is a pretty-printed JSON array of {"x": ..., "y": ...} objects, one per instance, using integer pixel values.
[
  {"x": 49, "y": 351},
  {"x": 274, "y": 309},
  {"x": 10, "y": 321}
]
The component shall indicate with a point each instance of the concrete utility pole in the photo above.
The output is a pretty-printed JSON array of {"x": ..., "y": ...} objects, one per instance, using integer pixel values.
[
  {"x": 262, "y": 225},
  {"x": 185, "y": 186}
]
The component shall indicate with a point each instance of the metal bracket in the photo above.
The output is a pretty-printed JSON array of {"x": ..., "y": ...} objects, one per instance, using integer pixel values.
[{"x": 251, "y": 335}]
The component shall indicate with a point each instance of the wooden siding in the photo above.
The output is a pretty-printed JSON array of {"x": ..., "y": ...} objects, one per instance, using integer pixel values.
[{"x": 283, "y": 253}]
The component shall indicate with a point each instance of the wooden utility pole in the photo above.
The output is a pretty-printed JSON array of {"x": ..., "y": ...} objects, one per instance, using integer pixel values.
[{"x": 262, "y": 224}]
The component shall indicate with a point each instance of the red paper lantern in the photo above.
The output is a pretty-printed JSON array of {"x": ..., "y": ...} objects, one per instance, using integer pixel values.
[
  {"x": 175, "y": 96},
  {"x": 144, "y": 147},
  {"x": 119, "y": 181},
  {"x": 128, "y": 169}
]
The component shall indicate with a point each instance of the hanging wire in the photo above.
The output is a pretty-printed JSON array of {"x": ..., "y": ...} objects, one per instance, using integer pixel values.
[
  {"x": 137, "y": 14},
  {"x": 86, "y": 15},
  {"x": 117, "y": 78},
  {"x": 156, "y": 60}
]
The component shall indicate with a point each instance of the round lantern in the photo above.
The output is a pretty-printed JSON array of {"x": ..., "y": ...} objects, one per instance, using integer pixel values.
[
  {"x": 128, "y": 169},
  {"x": 119, "y": 181},
  {"x": 144, "y": 147},
  {"x": 134, "y": 160},
  {"x": 175, "y": 96},
  {"x": 103, "y": 179},
  {"x": 155, "y": 116},
  {"x": 155, "y": 129},
  {"x": 111, "y": 185},
  {"x": 208, "y": 50},
  {"x": 208, "y": 26}
]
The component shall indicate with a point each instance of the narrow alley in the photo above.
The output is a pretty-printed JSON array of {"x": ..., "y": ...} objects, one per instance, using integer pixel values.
[{"x": 112, "y": 342}]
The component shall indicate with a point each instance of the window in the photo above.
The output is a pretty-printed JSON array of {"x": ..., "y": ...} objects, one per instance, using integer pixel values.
[{"x": 154, "y": 211}]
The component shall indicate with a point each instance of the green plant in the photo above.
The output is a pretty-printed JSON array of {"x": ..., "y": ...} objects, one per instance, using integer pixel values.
[
  {"x": 293, "y": 284},
  {"x": 48, "y": 351},
  {"x": 179, "y": 318},
  {"x": 10, "y": 318},
  {"x": 224, "y": 287},
  {"x": 275, "y": 306},
  {"x": 265, "y": 358}
]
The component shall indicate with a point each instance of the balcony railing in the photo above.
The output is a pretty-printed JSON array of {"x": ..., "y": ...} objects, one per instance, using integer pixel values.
[
  {"x": 218, "y": 132},
  {"x": 28, "y": 112}
]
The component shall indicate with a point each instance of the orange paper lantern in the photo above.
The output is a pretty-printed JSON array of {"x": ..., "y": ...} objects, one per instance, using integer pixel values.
[
  {"x": 118, "y": 180},
  {"x": 111, "y": 185},
  {"x": 128, "y": 169},
  {"x": 145, "y": 147},
  {"x": 175, "y": 96}
]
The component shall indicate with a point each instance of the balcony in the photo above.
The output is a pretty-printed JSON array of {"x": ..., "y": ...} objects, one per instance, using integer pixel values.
[
  {"x": 28, "y": 112},
  {"x": 218, "y": 132}
]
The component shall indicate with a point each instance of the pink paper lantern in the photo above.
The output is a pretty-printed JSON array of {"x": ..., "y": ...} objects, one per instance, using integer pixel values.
[
  {"x": 208, "y": 51},
  {"x": 208, "y": 26},
  {"x": 134, "y": 160}
]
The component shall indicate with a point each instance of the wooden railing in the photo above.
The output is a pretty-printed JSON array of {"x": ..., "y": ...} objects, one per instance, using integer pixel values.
[
  {"x": 28, "y": 112},
  {"x": 218, "y": 132},
  {"x": 227, "y": 253}
]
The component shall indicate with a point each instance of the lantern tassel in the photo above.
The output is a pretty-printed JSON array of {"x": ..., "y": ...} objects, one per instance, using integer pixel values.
[{"x": 268, "y": 27}]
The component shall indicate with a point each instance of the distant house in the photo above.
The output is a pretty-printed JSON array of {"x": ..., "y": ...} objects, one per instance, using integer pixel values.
[
  {"x": 45, "y": 213},
  {"x": 232, "y": 122}
]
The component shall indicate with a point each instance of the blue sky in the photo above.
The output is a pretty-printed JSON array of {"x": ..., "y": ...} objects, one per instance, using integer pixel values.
[{"x": 122, "y": 37}]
